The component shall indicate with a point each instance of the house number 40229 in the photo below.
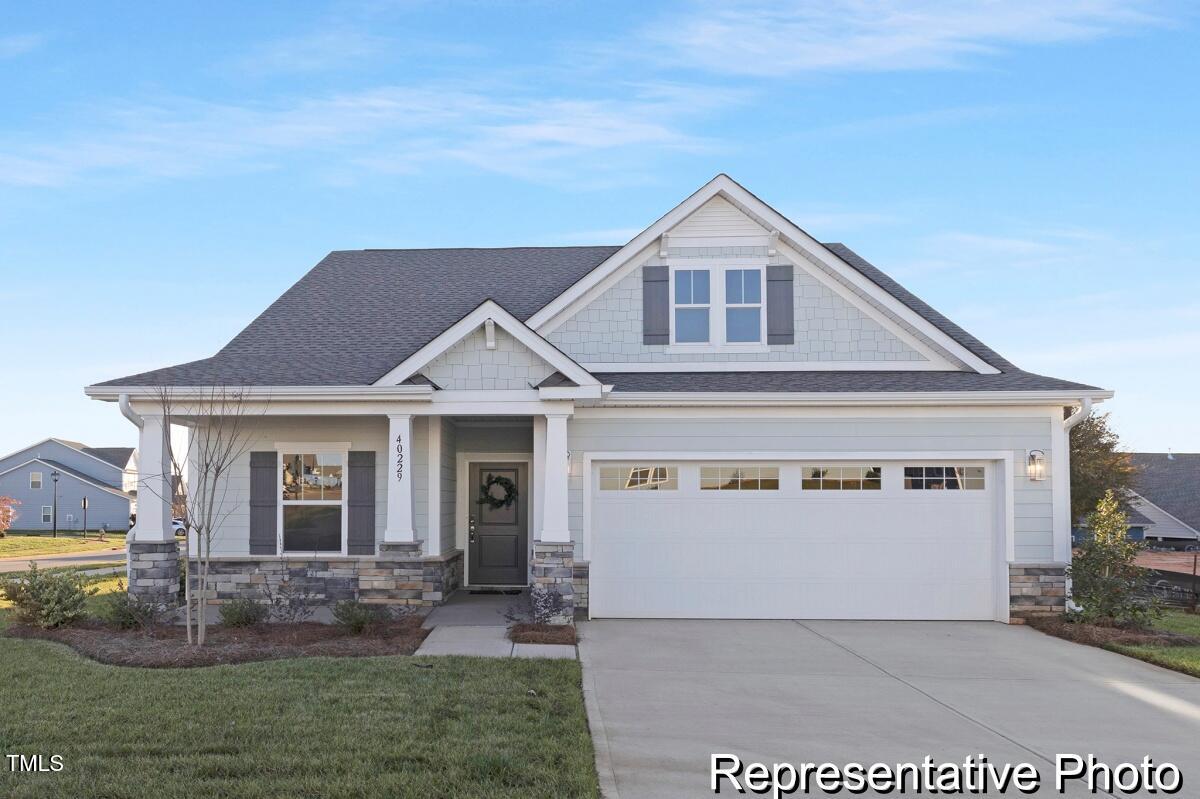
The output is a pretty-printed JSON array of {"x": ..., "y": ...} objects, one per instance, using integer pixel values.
[{"x": 399, "y": 459}]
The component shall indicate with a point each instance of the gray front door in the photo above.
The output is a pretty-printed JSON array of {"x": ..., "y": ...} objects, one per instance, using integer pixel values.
[{"x": 498, "y": 535}]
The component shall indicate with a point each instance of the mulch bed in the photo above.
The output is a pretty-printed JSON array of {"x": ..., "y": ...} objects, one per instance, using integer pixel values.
[
  {"x": 542, "y": 634},
  {"x": 165, "y": 646},
  {"x": 1098, "y": 635}
]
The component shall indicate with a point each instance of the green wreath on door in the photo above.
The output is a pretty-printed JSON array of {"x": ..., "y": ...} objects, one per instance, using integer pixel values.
[{"x": 486, "y": 497}]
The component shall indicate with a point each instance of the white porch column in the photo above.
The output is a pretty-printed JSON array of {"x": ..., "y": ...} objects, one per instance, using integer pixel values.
[
  {"x": 554, "y": 502},
  {"x": 400, "y": 482},
  {"x": 433, "y": 536},
  {"x": 539, "y": 471},
  {"x": 154, "y": 482}
]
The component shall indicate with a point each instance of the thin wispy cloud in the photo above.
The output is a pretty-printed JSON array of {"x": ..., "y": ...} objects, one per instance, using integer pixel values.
[
  {"x": 393, "y": 128},
  {"x": 20, "y": 44},
  {"x": 777, "y": 39}
]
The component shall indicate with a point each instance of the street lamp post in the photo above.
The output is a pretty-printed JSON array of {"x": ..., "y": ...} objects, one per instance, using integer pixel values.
[
  {"x": 54, "y": 477},
  {"x": 84, "y": 504}
]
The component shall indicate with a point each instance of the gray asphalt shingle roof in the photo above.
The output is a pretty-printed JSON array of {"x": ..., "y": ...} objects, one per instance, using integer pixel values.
[
  {"x": 117, "y": 456},
  {"x": 359, "y": 313},
  {"x": 1172, "y": 483}
]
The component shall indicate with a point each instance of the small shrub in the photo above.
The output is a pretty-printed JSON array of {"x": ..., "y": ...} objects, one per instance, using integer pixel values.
[
  {"x": 48, "y": 599},
  {"x": 357, "y": 617},
  {"x": 289, "y": 602},
  {"x": 128, "y": 612},
  {"x": 243, "y": 612},
  {"x": 540, "y": 605},
  {"x": 1106, "y": 583}
]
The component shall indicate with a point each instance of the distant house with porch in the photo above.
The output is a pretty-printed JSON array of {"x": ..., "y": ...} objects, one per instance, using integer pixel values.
[
  {"x": 1168, "y": 497},
  {"x": 53, "y": 477}
]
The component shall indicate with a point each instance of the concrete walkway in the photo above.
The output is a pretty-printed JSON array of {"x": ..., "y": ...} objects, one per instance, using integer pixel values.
[
  {"x": 474, "y": 625},
  {"x": 663, "y": 696}
]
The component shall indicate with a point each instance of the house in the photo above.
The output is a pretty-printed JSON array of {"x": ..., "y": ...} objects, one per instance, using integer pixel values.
[
  {"x": 722, "y": 418},
  {"x": 1139, "y": 523},
  {"x": 1168, "y": 496},
  {"x": 55, "y": 476}
]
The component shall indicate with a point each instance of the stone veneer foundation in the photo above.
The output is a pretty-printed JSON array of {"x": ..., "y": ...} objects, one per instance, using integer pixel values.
[
  {"x": 1036, "y": 589},
  {"x": 554, "y": 569},
  {"x": 154, "y": 572},
  {"x": 398, "y": 575}
]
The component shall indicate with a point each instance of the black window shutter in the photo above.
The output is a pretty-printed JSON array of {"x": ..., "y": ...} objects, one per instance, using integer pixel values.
[
  {"x": 264, "y": 502},
  {"x": 781, "y": 316},
  {"x": 656, "y": 305},
  {"x": 360, "y": 510}
]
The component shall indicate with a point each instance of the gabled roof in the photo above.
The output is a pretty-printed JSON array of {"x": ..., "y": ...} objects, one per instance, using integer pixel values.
[
  {"x": 357, "y": 315},
  {"x": 117, "y": 456},
  {"x": 1172, "y": 482},
  {"x": 69, "y": 472}
]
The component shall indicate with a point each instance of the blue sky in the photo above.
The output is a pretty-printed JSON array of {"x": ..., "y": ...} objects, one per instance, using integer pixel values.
[{"x": 1028, "y": 167}]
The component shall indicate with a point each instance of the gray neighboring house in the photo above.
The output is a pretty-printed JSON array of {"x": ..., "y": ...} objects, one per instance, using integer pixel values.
[
  {"x": 106, "y": 476},
  {"x": 1168, "y": 495}
]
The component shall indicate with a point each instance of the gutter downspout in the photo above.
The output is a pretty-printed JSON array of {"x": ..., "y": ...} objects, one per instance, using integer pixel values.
[{"x": 1085, "y": 408}]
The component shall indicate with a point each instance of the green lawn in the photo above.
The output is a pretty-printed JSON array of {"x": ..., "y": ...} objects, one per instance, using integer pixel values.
[
  {"x": 1179, "y": 658},
  {"x": 27, "y": 544},
  {"x": 326, "y": 727}
]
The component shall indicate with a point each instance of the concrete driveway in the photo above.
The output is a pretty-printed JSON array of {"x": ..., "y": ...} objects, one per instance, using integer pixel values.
[{"x": 664, "y": 695}]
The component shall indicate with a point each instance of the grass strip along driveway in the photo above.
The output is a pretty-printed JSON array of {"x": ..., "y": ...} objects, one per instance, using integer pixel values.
[
  {"x": 1179, "y": 658},
  {"x": 329, "y": 727},
  {"x": 29, "y": 544}
]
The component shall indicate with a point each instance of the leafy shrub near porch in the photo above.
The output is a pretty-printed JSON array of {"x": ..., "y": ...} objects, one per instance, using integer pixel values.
[
  {"x": 127, "y": 611},
  {"x": 48, "y": 599},
  {"x": 357, "y": 617},
  {"x": 1108, "y": 586},
  {"x": 243, "y": 612}
]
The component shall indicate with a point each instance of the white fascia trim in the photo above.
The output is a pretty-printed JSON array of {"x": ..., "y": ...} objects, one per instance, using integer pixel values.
[
  {"x": 112, "y": 393},
  {"x": 486, "y": 310},
  {"x": 118, "y": 492},
  {"x": 1169, "y": 515},
  {"x": 770, "y": 366},
  {"x": 573, "y": 392},
  {"x": 554, "y": 312},
  {"x": 739, "y": 398}
]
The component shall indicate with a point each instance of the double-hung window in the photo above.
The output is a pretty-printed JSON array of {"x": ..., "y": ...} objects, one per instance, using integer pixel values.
[
  {"x": 743, "y": 306},
  {"x": 47, "y": 514},
  {"x": 313, "y": 501},
  {"x": 718, "y": 307},
  {"x": 35, "y": 479},
  {"x": 693, "y": 302}
]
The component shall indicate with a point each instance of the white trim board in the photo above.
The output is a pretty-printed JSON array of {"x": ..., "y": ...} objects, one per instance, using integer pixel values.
[
  {"x": 462, "y": 501},
  {"x": 601, "y": 367},
  {"x": 488, "y": 310},
  {"x": 643, "y": 246}
]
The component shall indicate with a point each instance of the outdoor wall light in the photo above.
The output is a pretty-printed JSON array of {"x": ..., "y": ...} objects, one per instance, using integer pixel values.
[{"x": 1035, "y": 465}]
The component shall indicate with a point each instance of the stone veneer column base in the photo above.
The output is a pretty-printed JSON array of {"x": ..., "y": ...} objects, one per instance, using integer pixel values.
[
  {"x": 154, "y": 572},
  {"x": 398, "y": 575},
  {"x": 1036, "y": 589},
  {"x": 554, "y": 570}
]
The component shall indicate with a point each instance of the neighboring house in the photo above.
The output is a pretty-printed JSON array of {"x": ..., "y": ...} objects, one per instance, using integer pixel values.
[
  {"x": 106, "y": 476},
  {"x": 1168, "y": 495},
  {"x": 1140, "y": 526},
  {"x": 721, "y": 418}
]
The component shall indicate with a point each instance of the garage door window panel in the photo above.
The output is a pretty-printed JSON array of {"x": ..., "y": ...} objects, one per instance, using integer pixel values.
[
  {"x": 739, "y": 478},
  {"x": 944, "y": 478},
  {"x": 842, "y": 478},
  {"x": 639, "y": 478}
]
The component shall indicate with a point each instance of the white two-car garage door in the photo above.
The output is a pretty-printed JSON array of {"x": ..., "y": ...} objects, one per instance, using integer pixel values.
[{"x": 803, "y": 540}]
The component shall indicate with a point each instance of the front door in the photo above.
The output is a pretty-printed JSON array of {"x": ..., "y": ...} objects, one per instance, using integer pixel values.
[{"x": 498, "y": 524}]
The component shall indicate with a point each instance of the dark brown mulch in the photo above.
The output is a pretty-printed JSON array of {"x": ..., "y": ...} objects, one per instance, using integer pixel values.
[
  {"x": 166, "y": 646},
  {"x": 542, "y": 634},
  {"x": 1099, "y": 635}
]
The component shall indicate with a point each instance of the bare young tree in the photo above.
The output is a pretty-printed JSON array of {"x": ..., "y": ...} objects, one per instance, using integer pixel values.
[{"x": 220, "y": 433}]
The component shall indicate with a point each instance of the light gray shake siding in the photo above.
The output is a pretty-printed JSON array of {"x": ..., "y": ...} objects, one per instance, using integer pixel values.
[
  {"x": 827, "y": 328},
  {"x": 470, "y": 365}
]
